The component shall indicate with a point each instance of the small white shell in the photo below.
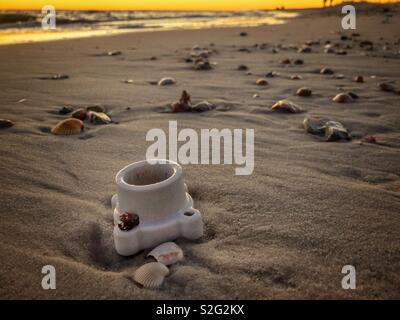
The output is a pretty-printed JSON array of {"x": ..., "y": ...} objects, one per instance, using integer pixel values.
[
  {"x": 151, "y": 275},
  {"x": 166, "y": 81},
  {"x": 167, "y": 253}
]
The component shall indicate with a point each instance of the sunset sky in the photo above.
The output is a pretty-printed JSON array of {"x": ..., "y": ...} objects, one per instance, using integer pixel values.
[{"x": 161, "y": 4}]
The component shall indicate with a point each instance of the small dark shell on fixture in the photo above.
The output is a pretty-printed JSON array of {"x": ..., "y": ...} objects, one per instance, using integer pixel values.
[{"x": 128, "y": 221}]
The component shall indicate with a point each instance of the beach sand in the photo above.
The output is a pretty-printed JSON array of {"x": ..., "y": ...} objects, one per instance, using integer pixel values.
[{"x": 309, "y": 208}]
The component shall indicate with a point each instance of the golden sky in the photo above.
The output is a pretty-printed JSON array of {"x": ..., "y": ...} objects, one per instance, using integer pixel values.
[{"x": 160, "y": 4}]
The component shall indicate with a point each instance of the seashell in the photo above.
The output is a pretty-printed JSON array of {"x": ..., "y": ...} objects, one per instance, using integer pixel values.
[
  {"x": 79, "y": 114},
  {"x": 304, "y": 49},
  {"x": 256, "y": 95},
  {"x": 285, "y": 61},
  {"x": 5, "y": 123},
  {"x": 341, "y": 52},
  {"x": 65, "y": 110},
  {"x": 386, "y": 86},
  {"x": 98, "y": 117},
  {"x": 315, "y": 125},
  {"x": 202, "y": 64},
  {"x": 353, "y": 95},
  {"x": 96, "y": 108},
  {"x": 167, "y": 253},
  {"x": 271, "y": 74},
  {"x": 114, "y": 53},
  {"x": 242, "y": 67},
  {"x": 333, "y": 130},
  {"x": 184, "y": 103},
  {"x": 296, "y": 77},
  {"x": 342, "y": 98},
  {"x": 339, "y": 76},
  {"x": 261, "y": 82},
  {"x": 68, "y": 127},
  {"x": 56, "y": 77},
  {"x": 203, "y": 106},
  {"x": 128, "y": 221},
  {"x": 166, "y": 81},
  {"x": 329, "y": 50},
  {"x": 359, "y": 79},
  {"x": 326, "y": 71},
  {"x": 151, "y": 275},
  {"x": 286, "y": 106},
  {"x": 304, "y": 92},
  {"x": 298, "y": 61},
  {"x": 369, "y": 139},
  {"x": 336, "y": 131}
]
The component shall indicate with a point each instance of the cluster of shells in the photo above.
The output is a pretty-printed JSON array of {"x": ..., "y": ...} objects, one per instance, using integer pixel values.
[
  {"x": 151, "y": 275},
  {"x": 200, "y": 58},
  {"x": 75, "y": 123}
]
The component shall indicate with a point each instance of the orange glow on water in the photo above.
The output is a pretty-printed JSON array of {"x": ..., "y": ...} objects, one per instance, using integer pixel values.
[{"x": 160, "y": 4}]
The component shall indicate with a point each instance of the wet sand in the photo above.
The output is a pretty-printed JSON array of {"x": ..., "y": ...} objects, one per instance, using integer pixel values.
[{"x": 309, "y": 208}]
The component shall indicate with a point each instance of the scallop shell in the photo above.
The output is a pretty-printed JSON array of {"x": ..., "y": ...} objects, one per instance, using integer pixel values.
[
  {"x": 68, "y": 127},
  {"x": 287, "y": 106},
  {"x": 342, "y": 98},
  {"x": 304, "y": 92},
  {"x": 166, "y": 81},
  {"x": 261, "y": 82},
  {"x": 167, "y": 253},
  {"x": 151, "y": 275}
]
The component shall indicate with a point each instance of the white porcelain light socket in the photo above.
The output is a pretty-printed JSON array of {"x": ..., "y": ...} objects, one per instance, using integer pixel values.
[{"x": 158, "y": 194}]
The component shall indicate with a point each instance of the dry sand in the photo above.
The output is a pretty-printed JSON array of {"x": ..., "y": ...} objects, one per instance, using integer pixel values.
[{"x": 309, "y": 208}]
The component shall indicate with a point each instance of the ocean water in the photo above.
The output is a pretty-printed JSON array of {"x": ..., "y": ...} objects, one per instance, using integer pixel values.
[{"x": 25, "y": 26}]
